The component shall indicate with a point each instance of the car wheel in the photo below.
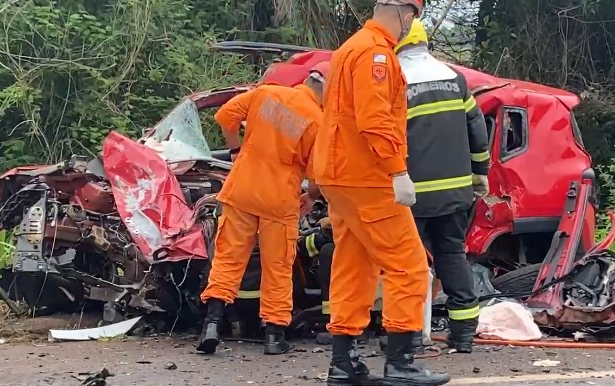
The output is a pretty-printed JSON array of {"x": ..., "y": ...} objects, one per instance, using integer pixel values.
[{"x": 518, "y": 281}]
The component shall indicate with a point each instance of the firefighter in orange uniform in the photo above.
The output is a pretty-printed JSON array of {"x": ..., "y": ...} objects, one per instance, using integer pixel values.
[
  {"x": 261, "y": 199},
  {"x": 360, "y": 167}
]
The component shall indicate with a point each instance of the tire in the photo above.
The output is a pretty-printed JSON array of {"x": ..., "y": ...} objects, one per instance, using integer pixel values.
[{"x": 518, "y": 281}]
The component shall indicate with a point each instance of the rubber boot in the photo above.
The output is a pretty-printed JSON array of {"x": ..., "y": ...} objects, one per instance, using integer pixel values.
[
  {"x": 462, "y": 335},
  {"x": 347, "y": 366},
  {"x": 416, "y": 346},
  {"x": 209, "y": 339},
  {"x": 399, "y": 368},
  {"x": 275, "y": 341}
]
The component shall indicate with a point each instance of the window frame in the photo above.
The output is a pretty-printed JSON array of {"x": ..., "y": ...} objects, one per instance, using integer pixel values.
[
  {"x": 506, "y": 155},
  {"x": 576, "y": 130},
  {"x": 494, "y": 129}
]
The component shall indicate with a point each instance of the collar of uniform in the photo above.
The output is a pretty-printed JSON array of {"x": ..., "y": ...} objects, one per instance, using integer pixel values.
[
  {"x": 381, "y": 30},
  {"x": 308, "y": 91}
]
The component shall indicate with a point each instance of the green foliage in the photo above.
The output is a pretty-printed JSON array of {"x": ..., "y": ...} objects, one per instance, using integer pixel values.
[
  {"x": 72, "y": 70},
  {"x": 7, "y": 249}
]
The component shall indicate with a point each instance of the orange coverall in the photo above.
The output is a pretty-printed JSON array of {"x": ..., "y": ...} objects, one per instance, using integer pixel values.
[
  {"x": 361, "y": 144},
  {"x": 261, "y": 193}
]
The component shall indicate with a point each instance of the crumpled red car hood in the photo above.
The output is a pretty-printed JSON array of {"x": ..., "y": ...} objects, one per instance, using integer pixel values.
[{"x": 150, "y": 202}]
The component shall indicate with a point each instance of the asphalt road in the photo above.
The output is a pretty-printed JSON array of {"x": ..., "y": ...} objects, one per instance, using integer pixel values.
[{"x": 147, "y": 362}]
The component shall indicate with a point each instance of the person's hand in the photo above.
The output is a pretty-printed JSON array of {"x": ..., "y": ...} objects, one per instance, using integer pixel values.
[
  {"x": 405, "y": 194},
  {"x": 305, "y": 204},
  {"x": 324, "y": 222},
  {"x": 234, "y": 156},
  {"x": 480, "y": 185}
]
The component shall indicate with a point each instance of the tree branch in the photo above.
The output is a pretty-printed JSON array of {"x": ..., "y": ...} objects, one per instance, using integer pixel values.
[{"x": 444, "y": 14}]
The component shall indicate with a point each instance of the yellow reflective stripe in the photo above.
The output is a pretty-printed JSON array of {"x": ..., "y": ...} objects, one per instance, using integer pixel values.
[
  {"x": 480, "y": 157},
  {"x": 470, "y": 313},
  {"x": 310, "y": 245},
  {"x": 444, "y": 184},
  {"x": 249, "y": 294},
  {"x": 326, "y": 310},
  {"x": 469, "y": 104},
  {"x": 434, "y": 108}
]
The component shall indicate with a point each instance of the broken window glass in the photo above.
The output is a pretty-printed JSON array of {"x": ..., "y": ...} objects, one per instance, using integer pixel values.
[{"x": 514, "y": 127}]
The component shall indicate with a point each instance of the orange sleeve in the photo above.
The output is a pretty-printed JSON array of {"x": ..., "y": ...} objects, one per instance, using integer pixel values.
[
  {"x": 233, "y": 112},
  {"x": 372, "y": 90},
  {"x": 307, "y": 149}
]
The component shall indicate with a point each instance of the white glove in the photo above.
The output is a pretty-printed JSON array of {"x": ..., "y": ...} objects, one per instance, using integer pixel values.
[
  {"x": 480, "y": 185},
  {"x": 404, "y": 190}
]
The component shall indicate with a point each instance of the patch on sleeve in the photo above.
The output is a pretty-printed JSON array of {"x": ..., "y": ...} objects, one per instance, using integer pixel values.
[
  {"x": 379, "y": 72},
  {"x": 380, "y": 58}
]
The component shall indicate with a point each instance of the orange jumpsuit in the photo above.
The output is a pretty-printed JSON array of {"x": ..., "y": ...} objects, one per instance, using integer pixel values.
[
  {"x": 361, "y": 144},
  {"x": 261, "y": 194}
]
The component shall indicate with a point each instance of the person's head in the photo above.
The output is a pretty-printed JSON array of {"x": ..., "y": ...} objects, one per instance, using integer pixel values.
[
  {"x": 415, "y": 40},
  {"x": 397, "y": 15},
  {"x": 317, "y": 78}
]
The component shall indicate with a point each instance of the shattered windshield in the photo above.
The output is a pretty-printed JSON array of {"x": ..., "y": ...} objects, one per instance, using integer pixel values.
[{"x": 180, "y": 134}]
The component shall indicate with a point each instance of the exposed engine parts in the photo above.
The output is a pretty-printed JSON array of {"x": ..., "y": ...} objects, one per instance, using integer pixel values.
[{"x": 71, "y": 245}]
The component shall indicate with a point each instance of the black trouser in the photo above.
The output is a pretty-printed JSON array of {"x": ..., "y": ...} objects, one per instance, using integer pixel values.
[
  {"x": 444, "y": 236},
  {"x": 325, "y": 258}
]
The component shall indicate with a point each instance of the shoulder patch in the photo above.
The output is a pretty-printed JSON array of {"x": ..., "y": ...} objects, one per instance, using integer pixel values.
[
  {"x": 380, "y": 58},
  {"x": 379, "y": 72}
]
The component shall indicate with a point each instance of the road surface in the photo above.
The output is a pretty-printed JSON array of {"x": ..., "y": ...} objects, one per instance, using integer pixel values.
[{"x": 147, "y": 362}]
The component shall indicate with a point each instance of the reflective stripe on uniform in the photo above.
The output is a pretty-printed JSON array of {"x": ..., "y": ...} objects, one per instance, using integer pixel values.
[
  {"x": 435, "y": 108},
  {"x": 310, "y": 245},
  {"x": 326, "y": 310},
  {"x": 480, "y": 157},
  {"x": 470, "y": 313},
  {"x": 249, "y": 294},
  {"x": 443, "y": 184},
  {"x": 469, "y": 104}
]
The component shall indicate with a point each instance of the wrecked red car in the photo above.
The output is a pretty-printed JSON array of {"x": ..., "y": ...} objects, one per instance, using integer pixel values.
[{"x": 133, "y": 229}]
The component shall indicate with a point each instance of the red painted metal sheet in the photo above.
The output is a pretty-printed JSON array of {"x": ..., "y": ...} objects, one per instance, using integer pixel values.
[
  {"x": 150, "y": 201},
  {"x": 296, "y": 69}
]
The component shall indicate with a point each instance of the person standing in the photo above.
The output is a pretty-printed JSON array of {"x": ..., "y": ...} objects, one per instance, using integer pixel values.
[
  {"x": 360, "y": 166},
  {"x": 261, "y": 198},
  {"x": 448, "y": 160}
]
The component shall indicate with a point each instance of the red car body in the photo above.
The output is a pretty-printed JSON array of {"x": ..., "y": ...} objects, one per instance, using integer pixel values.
[{"x": 532, "y": 163}]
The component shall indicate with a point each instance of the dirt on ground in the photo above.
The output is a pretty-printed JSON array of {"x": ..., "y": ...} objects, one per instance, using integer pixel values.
[
  {"x": 28, "y": 358},
  {"x": 173, "y": 361}
]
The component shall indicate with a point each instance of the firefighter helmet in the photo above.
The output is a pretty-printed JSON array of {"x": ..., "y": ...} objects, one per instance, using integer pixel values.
[{"x": 416, "y": 37}]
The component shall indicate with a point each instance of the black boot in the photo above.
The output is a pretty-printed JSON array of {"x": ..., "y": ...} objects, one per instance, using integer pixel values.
[
  {"x": 399, "y": 368},
  {"x": 416, "y": 346},
  {"x": 347, "y": 366},
  {"x": 358, "y": 362},
  {"x": 209, "y": 339},
  {"x": 275, "y": 342},
  {"x": 462, "y": 335}
]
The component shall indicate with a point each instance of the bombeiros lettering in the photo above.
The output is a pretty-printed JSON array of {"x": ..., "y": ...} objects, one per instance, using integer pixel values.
[{"x": 416, "y": 89}]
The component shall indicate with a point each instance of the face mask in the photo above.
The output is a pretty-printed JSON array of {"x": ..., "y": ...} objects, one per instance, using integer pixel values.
[{"x": 405, "y": 25}]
